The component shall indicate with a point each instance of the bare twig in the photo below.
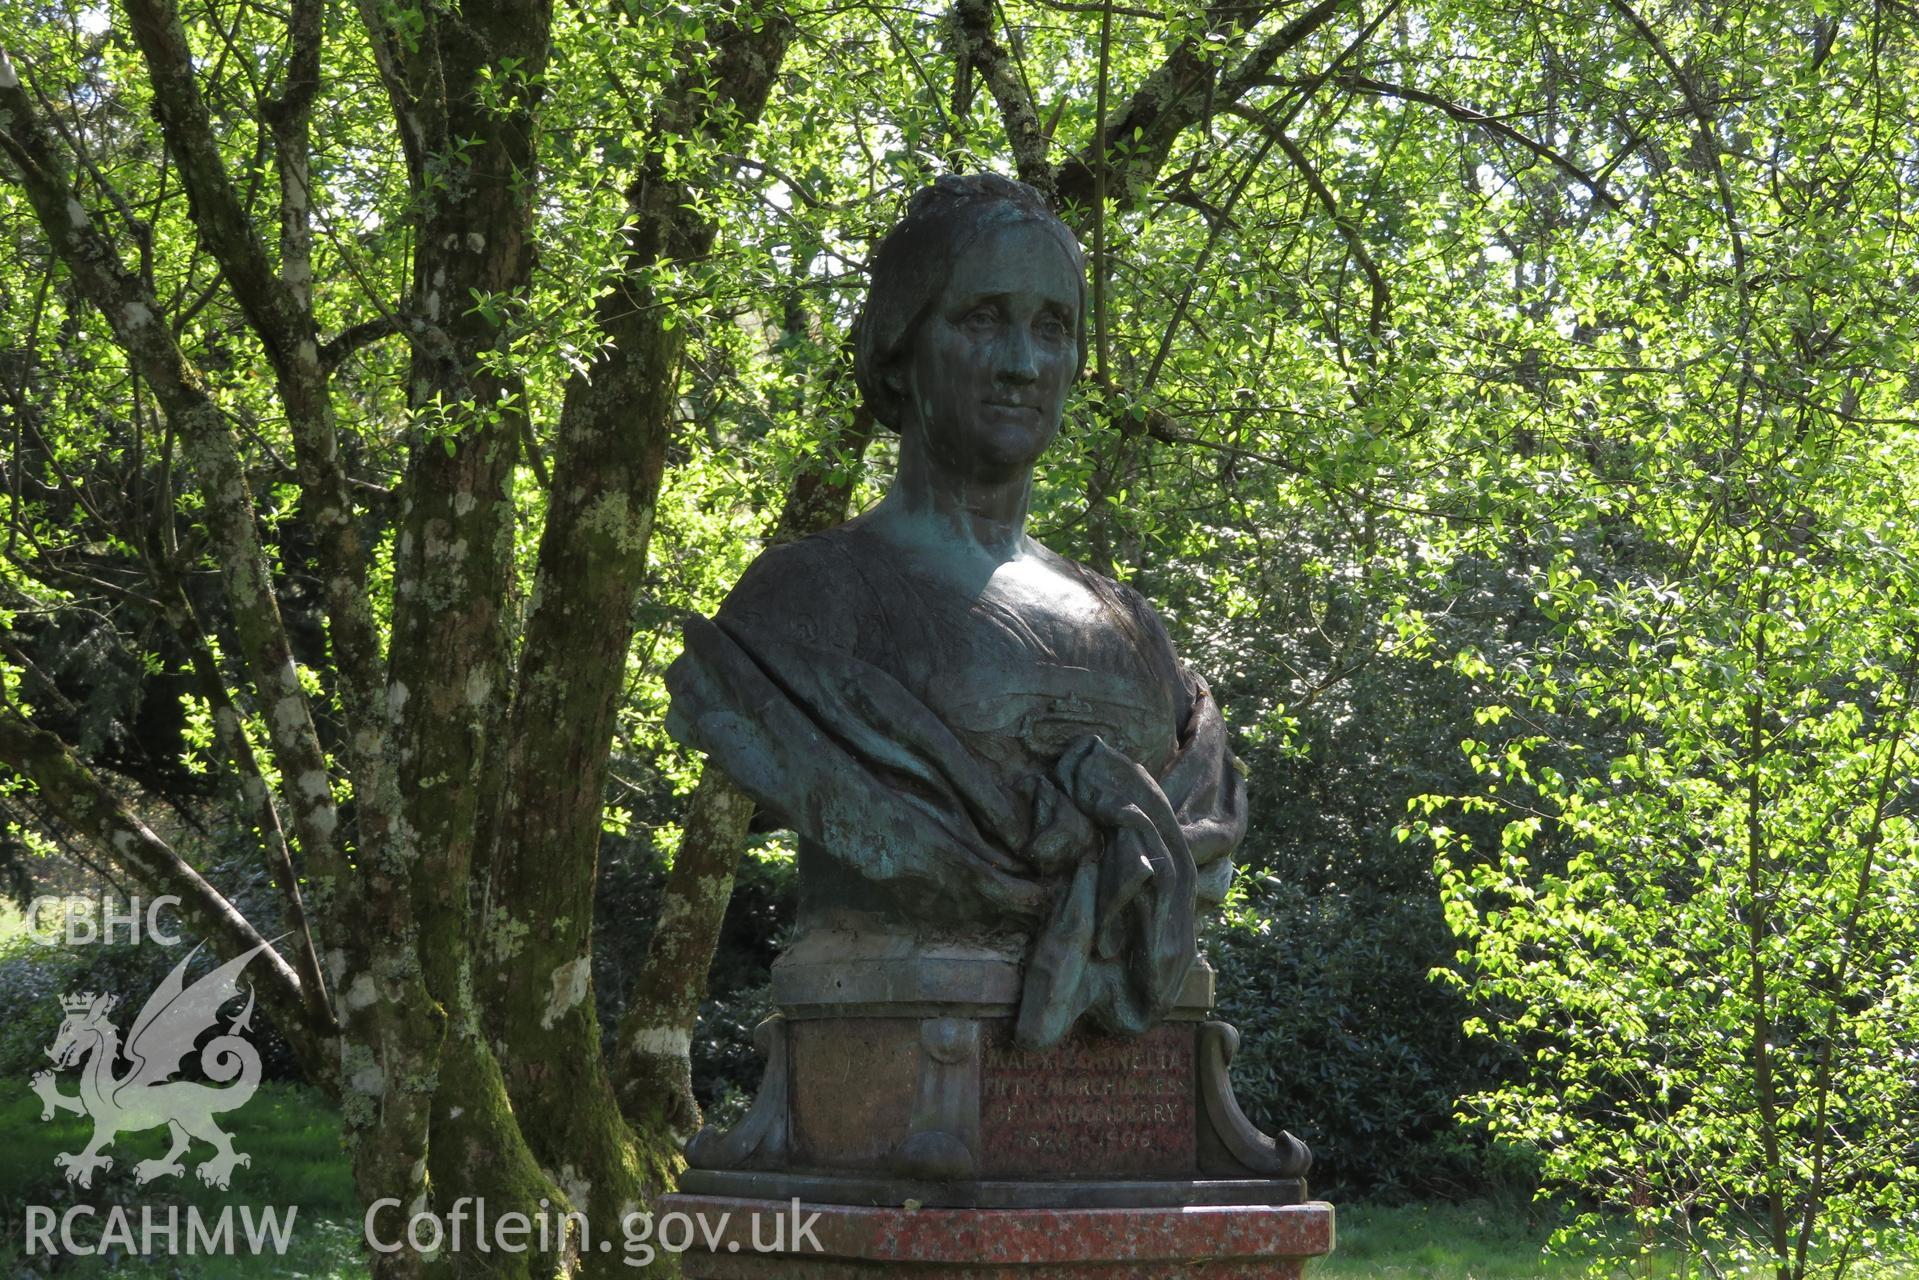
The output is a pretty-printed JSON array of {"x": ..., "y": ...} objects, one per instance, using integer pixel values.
[
  {"x": 1478, "y": 119},
  {"x": 1355, "y": 243}
]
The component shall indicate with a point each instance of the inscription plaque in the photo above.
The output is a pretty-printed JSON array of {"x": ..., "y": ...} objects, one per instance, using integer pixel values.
[{"x": 1093, "y": 1104}]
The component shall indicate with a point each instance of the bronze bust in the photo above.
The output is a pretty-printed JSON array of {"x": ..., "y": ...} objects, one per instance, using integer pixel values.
[
  {"x": 969, "y": 733},
  {"x": 1011, "y": 798}
]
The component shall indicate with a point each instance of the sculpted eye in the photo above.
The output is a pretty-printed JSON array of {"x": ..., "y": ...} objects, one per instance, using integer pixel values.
[
  {"x": 980, "y": 318},
  {"x": 1053, "y": 326}
]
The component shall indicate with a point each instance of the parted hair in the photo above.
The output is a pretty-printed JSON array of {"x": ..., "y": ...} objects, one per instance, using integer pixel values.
[{"x": 912, "y": 263}]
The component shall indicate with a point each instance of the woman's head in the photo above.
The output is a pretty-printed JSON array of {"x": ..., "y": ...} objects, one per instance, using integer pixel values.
[{"x": 913, "y": 264}]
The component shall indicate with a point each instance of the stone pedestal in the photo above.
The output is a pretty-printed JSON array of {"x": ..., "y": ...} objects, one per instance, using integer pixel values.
[
  {"x": 1240, "y": 1242},
  {"x": 899, "y": 1109},
  {"x": 893, "y": 1077}
]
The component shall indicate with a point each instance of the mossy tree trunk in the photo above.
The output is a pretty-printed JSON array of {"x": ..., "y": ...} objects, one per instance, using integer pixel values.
[
  {"x": 652, "y": 1066},
  {"x": 430, "y": 803},
  {"x": 459, "y": 1033},
  {"x": 535, "y": 976}
]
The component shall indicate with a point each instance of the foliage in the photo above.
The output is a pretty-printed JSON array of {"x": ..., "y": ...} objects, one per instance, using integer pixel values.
[
  {"x": 1700, "y": 930},
  {"x": 1713, "y": 978},
  {"x": 1344, "y": 1044},
  {"x": 1548, "y": 368},
  {"x": 1325, "y": 957}
]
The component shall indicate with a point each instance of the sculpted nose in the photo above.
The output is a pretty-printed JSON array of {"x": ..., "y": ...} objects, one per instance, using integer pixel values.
[{"x": 1018, "y": 361}]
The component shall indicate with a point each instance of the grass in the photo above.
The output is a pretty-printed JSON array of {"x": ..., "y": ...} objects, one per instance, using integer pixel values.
[
  {"x": 1495, "y": 1241},
  {"x": 292, "y": 1134},
  {"x": 293, "y": 1137},
  {"x": 1472, "y": 1241},
  {"x": 321, "y": 1249},
  {"x": 13, "y": 923}
]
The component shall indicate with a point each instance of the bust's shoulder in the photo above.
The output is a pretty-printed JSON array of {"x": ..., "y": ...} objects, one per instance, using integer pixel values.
[
  {"x": 1116, "y": 594},
  {"x": 1138, "y": 618},
  {"x": 810, "y": 591}
]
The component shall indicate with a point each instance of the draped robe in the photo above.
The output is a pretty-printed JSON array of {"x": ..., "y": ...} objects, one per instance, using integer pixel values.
[{"x": 960, "y": 765}]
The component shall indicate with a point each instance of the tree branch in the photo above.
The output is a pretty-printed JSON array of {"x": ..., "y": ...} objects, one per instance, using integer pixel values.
[
  {"x": 1869, "y": 842},
  {"x": 222, "y": 221},
  {"x": 1478, "y": 119},
  {"x": 343, "y": 345},
  {"x": 290, "y": 116},
  {"x": 83, "y": 802},
  {"x": 1702, "y": 116},
  {"x": 972, "y": 26},
  {"x": 137, "y": 227},
  {"x": 1273, "y": 126},
  {"x": 139, "y": 328},
  {"x": 1355, "y": 243},
  {"x": 412, "y": 77},
  {"x": 255, "y": 796},
  {"x": 1118, "y": 10},
  {"x": 279, "y": 311},
  {"x": 609, "y": 460},
  {"x": 1181, "y": 92}
]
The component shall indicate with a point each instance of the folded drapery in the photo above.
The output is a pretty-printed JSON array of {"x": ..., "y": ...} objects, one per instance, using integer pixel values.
[{"x": 1098, "y": 861}]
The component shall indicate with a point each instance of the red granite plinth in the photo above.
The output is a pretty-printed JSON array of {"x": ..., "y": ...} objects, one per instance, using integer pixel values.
[{"x": 859, "y": 1243}]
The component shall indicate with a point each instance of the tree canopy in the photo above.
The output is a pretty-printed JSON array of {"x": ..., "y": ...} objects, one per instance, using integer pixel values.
[{"x": 381, "y": 382}]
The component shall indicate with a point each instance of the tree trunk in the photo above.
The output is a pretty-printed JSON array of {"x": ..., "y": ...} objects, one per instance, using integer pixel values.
[
  {"x": 652, "y": 1064},
  {"x": 535, "y": 971}
]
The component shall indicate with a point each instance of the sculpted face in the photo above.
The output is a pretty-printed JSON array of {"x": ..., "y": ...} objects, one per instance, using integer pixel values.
[{"x": 990, "y": 365}]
